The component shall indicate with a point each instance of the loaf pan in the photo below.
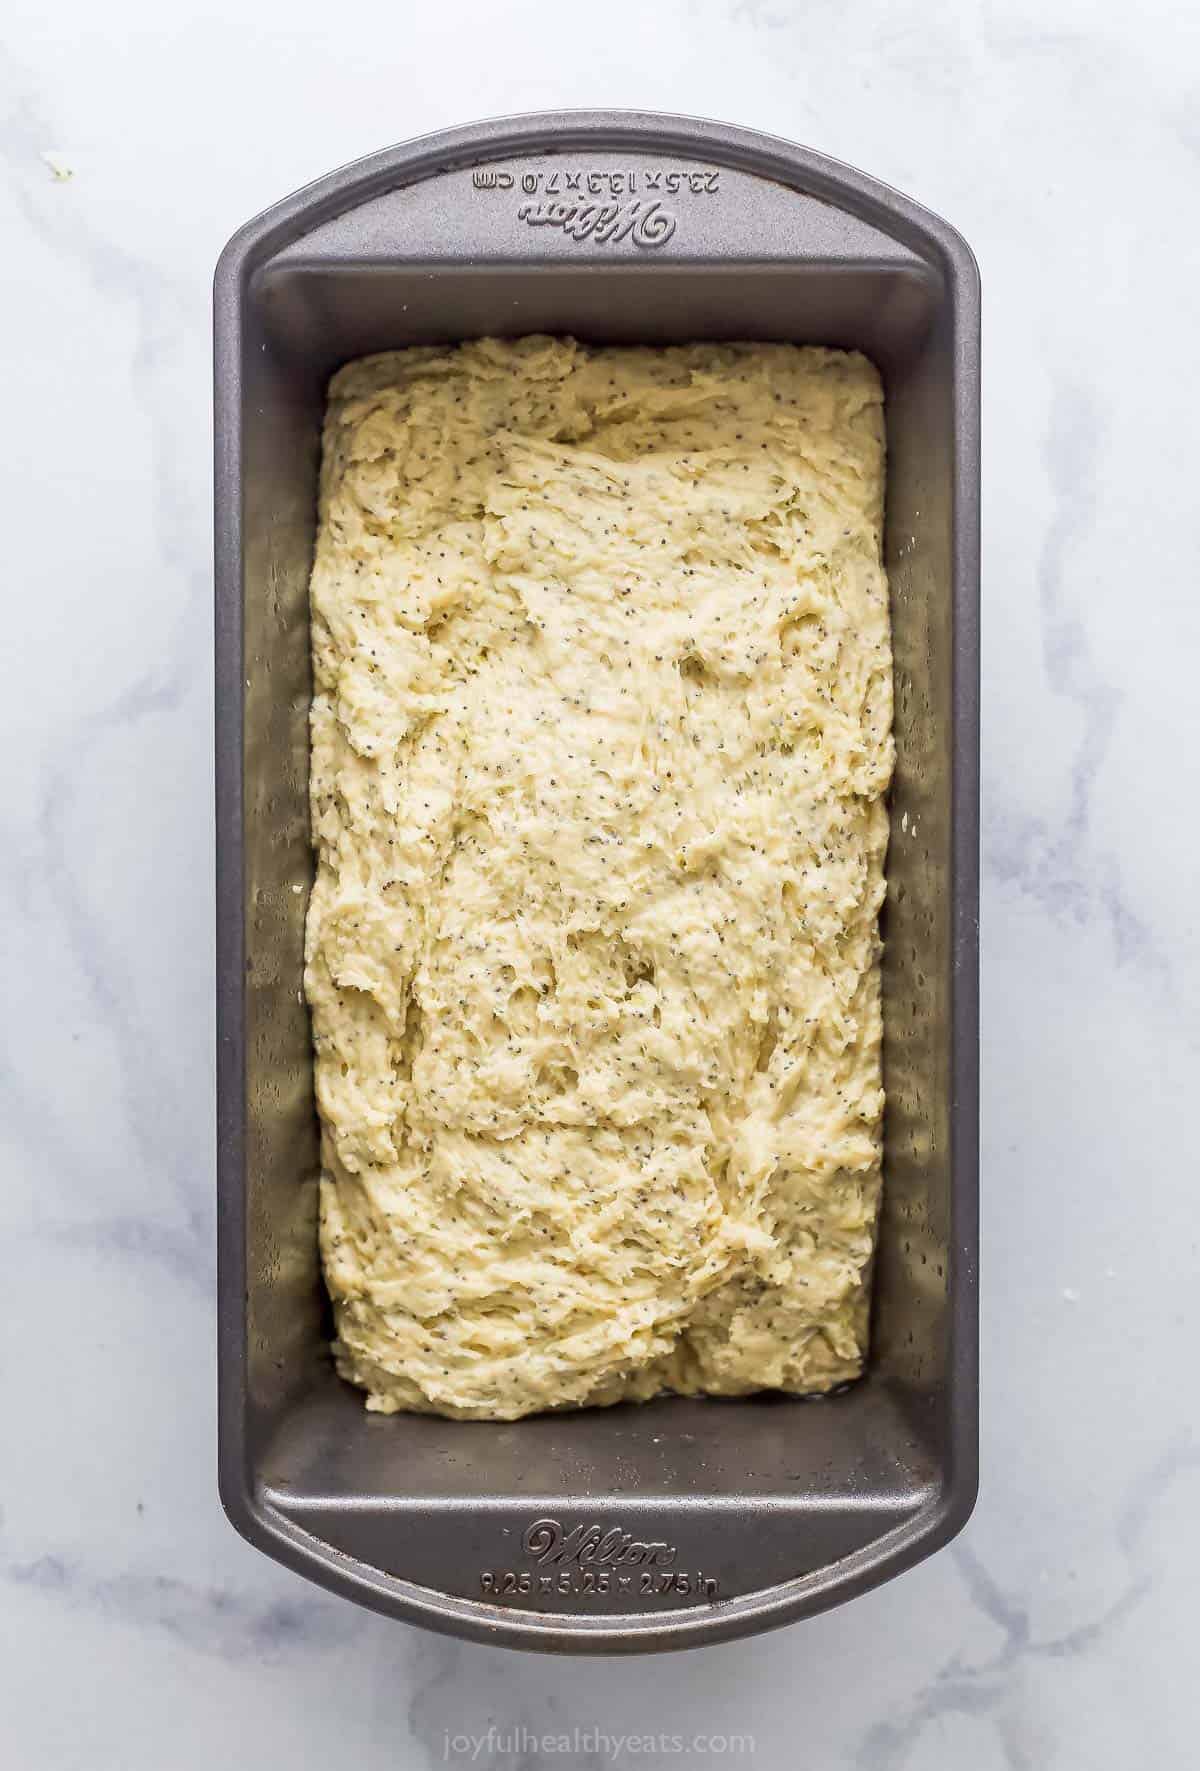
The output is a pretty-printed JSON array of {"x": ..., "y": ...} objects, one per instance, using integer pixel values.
[{"x": 680, "y": 1521}]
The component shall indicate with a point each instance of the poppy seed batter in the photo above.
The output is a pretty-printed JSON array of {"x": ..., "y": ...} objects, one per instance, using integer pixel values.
[{"x": 600, "y": 744}]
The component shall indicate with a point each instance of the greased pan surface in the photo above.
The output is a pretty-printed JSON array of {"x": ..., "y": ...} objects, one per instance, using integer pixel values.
[{"x": 679, "y": 1521}]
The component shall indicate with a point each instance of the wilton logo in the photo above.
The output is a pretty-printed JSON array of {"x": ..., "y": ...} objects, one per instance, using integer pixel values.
[
  {"x": 603, "y": 205},
  {"x": 646, "y": 224},
  {"x": 592, "y": 1546}
]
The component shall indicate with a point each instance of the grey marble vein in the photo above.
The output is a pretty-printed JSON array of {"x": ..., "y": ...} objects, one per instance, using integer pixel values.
[
  {"x": 215, "y": 1620},
  {"x": 160, "y": 689},
  {"x": 990, "y": 1688},
  {"x": 1061, "y": 864}
]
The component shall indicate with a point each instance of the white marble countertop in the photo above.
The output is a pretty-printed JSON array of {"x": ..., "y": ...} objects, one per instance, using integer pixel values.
[{"x": 1063, "y": 138}]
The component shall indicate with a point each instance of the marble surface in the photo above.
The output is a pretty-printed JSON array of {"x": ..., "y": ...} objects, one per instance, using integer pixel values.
[{"x": 1063, "y": 138}]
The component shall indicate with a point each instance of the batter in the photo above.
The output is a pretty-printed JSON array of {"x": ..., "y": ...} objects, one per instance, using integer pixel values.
[{"x": 600, "y": 744}]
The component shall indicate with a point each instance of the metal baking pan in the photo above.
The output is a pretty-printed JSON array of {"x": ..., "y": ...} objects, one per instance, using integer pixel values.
[{"x": 678, "y": 1521}]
